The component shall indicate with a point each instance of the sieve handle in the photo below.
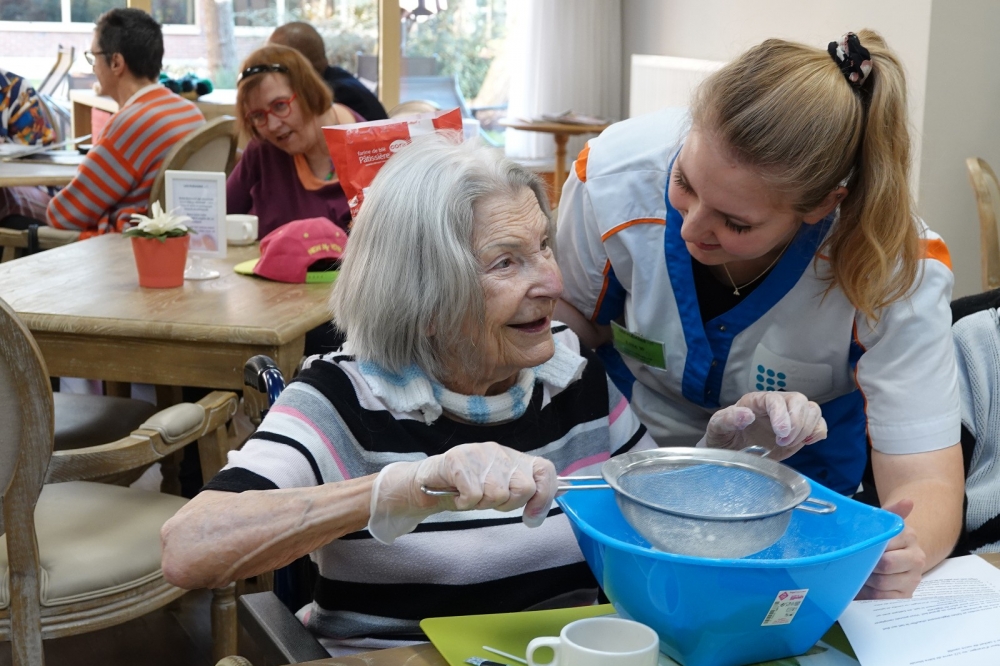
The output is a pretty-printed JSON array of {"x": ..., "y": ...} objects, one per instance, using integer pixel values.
[
  {"x": 822, "y": 506},
  {"x": 565, "y": 484}
]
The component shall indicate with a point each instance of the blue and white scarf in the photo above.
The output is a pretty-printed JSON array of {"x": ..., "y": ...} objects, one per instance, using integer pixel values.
[{"x": 412, "y": 390}]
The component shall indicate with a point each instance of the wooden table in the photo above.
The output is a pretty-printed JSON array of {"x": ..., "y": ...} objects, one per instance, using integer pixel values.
[
  {"x": 25, "y": 173},
  {"x": 426, "y": 655},
  {"x": 91, "y": 319},
  {"x": 561, "y": 133},
  {"x": 214, "y": 104}
]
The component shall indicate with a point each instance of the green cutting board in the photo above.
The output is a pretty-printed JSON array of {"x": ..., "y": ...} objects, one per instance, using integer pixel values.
[
  {"x": 461, "y": 637},
  {"x": 458, "y": 638}
]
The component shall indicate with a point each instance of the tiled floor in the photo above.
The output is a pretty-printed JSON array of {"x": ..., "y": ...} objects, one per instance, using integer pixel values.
[{"x": 180, "y": 636}]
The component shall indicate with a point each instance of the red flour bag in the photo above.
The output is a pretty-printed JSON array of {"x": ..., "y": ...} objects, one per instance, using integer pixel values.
[{"x": 358, "y": 151}]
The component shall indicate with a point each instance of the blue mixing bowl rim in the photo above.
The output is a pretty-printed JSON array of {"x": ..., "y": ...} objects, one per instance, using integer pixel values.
[{"x": 729, "y": 562}]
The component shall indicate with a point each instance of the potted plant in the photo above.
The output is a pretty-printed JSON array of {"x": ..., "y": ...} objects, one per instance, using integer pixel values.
[{"x": 160, "y": 245}]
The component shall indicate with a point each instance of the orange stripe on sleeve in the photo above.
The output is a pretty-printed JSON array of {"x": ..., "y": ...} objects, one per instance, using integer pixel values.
[
  {"x": 631, "y": 223},
  {"x": 580, "y": 166},
  {"x": 604, "y": 290},
  {"x": 935, "y": 249}
]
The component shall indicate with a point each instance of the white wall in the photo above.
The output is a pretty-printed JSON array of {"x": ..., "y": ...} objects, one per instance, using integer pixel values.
[
  {"x": 961, "y": 119},
  {"x": 722, "y": 29}
]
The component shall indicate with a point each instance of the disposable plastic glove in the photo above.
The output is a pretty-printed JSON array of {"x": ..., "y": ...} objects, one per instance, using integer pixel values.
[
  {"x": 782, "y": 422},
  {"x": 487, "y": 476}
]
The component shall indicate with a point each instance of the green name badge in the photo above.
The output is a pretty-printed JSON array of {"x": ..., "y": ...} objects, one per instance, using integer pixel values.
[{"x": 648, "y": 352}]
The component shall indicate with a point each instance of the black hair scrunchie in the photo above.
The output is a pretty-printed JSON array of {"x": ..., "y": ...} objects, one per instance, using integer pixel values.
[{"x": 853, "y": 59}]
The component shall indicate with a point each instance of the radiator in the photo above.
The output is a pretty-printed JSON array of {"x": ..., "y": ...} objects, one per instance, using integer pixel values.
[{"x": 662, "y": 81}]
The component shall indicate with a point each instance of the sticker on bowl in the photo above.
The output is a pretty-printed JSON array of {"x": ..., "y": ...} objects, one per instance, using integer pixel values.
[{"x": 784, "y": 608}]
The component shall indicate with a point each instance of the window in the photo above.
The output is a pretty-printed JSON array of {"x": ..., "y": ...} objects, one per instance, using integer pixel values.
[
  {"x": 171, "y": 12},
  {"x": 271, "y": 13},
  {"x": 174, "y": 12},
  {"x": 87, "y": 11},
  {"x": 36, "y": 10}
]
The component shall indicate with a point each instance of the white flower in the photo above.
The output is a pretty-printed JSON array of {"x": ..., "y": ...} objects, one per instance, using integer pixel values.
[{"x": 160, "y": 223}]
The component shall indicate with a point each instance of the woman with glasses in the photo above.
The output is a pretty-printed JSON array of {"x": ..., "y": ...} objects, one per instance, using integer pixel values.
[{"x": 286, "y": 173}]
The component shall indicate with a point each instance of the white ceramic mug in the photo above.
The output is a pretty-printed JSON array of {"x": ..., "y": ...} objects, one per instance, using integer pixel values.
[
  {"x": 600, "y": 641},
  {"x": 241, "y": 229}
]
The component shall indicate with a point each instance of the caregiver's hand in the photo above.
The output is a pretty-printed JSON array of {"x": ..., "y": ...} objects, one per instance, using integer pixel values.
[
  {"x": 782, "y": 422},
  {"x": 898, "y": 570},
  {"x": 486, "y": 475}
]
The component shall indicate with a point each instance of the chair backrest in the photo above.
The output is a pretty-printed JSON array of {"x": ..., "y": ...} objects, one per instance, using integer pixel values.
[
  {"x": 59, "y": 71},
  {"x": 413, "y": 106},
  {"x": 211, "y": 147},
  {"x": 26, "y": 437},
  {"x": 441, "y": 90},
  {"x": 987, "y": 190},
  {"x": 58, "y": 117}
]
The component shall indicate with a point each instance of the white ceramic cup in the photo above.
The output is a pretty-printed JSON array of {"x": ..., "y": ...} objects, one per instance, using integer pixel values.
[
  {"x": 600, "y": 641},
  {"x": 241, "y": 229}
]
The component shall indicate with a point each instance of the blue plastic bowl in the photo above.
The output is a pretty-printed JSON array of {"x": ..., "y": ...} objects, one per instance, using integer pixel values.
[{"x": 713, "y": 612}]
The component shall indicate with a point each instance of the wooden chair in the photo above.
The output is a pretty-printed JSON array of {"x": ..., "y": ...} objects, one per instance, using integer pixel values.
[
  {"x": 59, "y": 71},
  {"x": 212, "y": 147},
  {"x": 987, "y": 190},
  {"x": 17, "y": 243},
  {"x": 78, "y": 556},
  {"x": 413, "y": 106}
]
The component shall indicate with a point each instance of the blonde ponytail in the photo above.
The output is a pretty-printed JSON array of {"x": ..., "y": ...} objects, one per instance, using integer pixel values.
[{"x": 787, "y": 110}]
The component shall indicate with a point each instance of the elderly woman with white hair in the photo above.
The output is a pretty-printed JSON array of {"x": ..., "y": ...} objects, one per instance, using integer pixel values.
[{"x": 453, "y": 375}]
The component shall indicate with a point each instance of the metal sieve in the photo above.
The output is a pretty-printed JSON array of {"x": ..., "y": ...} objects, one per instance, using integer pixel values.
[
  {"x": 702, "y": 502},
  {"x": 708, "y": 502}
]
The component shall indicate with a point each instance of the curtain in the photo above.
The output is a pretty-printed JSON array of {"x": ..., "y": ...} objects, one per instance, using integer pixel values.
[{"x": 565, "y": 55}]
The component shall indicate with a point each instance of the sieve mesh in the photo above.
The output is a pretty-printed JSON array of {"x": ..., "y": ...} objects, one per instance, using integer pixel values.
[{"x": 705, "y": 489}]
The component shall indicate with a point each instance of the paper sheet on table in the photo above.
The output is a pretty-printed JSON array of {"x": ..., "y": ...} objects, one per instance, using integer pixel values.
[{"x": 953, "y": 619}]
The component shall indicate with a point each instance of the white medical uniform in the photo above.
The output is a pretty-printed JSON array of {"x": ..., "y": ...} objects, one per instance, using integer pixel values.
[{"x": 891, "y": 384}]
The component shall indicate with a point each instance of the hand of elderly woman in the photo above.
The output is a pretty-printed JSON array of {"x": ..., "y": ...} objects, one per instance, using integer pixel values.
[
  {"x": 486, "y": 476},
  {"x": 767, "y": 418}
]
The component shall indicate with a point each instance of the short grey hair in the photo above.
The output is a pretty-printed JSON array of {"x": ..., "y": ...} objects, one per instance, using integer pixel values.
[{"x": 409, "y": 285}]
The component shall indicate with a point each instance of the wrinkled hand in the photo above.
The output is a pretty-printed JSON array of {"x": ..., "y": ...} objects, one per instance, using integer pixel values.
[
  {"x": 781, "y": 422},
  {"x": 898, "y": 571},
  {"x": 486, "y": 475}
]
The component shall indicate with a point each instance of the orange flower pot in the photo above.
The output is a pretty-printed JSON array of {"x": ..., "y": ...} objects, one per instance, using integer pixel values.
[{"x": 160, "y": 263}]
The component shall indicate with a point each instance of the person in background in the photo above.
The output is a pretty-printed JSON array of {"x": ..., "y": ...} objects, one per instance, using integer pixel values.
[
  {"x": 23, "y": 121},
  {"x": 116, "y": 176},
  {"x": 286, "y": 172},
  {"x": 768, "y": 240},
  {"x": 347, "y": 90}
]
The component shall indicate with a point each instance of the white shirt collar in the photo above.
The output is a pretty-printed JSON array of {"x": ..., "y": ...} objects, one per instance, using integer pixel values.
[{"x": 142, "y": 91}]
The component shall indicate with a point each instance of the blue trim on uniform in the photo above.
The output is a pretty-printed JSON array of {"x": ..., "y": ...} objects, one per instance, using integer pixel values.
[
  {"x": 613, "y": 303},
  {"x": 614, "y": 366},
  {"x": 838, "y": 462},
  {"x": 708, "y": 344}
]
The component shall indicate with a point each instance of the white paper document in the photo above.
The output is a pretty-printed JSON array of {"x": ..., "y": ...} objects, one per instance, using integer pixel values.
[{"x": 953, "y": 619}]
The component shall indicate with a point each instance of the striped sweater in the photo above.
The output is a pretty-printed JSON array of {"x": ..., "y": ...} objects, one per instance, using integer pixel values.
[
  {"x": 115, "y": 178},
  {"x": 328, "y": 426}
]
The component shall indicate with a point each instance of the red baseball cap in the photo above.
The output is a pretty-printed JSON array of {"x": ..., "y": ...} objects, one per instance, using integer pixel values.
[{"x": 288, "y": 252}]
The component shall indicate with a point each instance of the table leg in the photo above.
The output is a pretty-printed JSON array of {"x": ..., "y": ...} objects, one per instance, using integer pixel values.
[{"x": 560, "y": 173}]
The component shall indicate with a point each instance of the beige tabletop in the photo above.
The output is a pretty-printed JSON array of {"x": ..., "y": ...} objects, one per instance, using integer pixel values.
[
  {"x": 21, "y": 173},
  {"x": 561, "y": 133},
  {"x": 426, "y": 655},
  {"x": 91, "y": 319}
]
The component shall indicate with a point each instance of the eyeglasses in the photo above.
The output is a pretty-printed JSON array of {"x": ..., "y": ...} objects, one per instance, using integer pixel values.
[
  {"x": 279, "y": 108},
  {"x": 89, "y": 55},
  {"x": 261, "y": 69}
]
